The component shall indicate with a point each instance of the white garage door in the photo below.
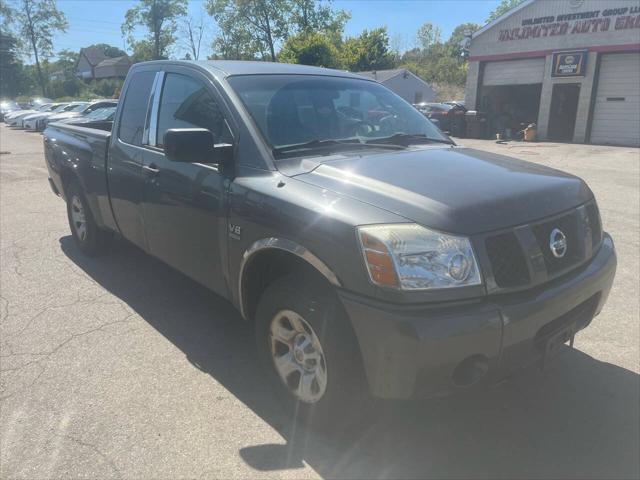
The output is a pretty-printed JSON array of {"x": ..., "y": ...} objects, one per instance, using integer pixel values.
[
  {"x": 514, "y": 72},
  {"x": 616, "y": 114}
]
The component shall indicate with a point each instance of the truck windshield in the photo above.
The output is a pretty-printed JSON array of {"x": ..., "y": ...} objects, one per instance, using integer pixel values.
[{"x": 315, "y": 112}]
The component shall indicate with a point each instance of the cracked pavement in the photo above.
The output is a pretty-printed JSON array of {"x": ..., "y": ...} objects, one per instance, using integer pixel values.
[{"x": 119, "y": 367}]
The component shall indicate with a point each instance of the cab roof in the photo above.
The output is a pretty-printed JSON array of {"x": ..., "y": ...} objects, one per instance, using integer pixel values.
[{"x": 239, "y": 67}]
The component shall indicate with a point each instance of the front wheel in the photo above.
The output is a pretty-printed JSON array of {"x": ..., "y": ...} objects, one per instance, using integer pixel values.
[
  {"x": 89, "y": 238},
  {"x": 310, "y": 352}
]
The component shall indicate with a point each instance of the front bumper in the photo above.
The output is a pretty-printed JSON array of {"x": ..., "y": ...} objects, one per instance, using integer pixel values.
[{"x": 414, "y": 351}]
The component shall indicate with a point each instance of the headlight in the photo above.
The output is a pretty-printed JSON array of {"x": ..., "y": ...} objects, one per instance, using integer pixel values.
[{"x": 412, "y": 257}]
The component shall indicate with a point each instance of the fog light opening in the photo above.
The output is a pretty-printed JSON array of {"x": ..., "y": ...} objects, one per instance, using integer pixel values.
[{"x": 470, "y": 371}]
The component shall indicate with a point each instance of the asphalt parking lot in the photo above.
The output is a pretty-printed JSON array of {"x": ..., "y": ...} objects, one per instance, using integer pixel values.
[{"x": 119, "y": 367}]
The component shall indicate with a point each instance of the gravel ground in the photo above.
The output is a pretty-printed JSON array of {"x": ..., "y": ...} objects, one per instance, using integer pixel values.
[{"x": 122, "y": 368}]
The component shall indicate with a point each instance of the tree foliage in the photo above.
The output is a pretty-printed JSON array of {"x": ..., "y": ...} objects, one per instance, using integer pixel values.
[
  {"x": 36, "y": 22},
  {"x": 255, "y": 29},
  {"x": 313, "y": 16},
  {"x": 160, "y": 18},
  {"x": 310, "y": 48},
  {"x": 262, "y": 24},
  {"x": 503, "y": 7},
  {"x": 368, "y": 51},
  {"x": 440, "y": 62},
  {"x": 428, "y": 35},
  {"x": 11, "y": 70}
]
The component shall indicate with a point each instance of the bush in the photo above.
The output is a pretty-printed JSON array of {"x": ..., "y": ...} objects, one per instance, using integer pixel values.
[{"x": 106, "y": 87}]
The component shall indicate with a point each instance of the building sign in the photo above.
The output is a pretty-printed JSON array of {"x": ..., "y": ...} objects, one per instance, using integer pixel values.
[
  {"x": 569, "y": 64},
  {"x": 593, "y": 21}
]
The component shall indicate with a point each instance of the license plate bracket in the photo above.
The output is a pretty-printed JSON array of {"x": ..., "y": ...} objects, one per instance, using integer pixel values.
[{"x": 555, "y": 342}]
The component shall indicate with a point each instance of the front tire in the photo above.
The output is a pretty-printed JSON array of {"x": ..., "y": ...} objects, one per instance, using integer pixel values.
[
  {"x": 310, "y": 352},
  {"x": 88, "y": 237}
]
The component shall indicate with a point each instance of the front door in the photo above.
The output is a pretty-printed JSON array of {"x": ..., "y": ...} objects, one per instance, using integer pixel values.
[
  {"x": 564, "y": 108},
  {"x": 184, "y": 205}
]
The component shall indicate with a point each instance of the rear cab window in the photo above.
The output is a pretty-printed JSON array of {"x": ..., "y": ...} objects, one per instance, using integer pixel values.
[{"x": 134, "y": 109}]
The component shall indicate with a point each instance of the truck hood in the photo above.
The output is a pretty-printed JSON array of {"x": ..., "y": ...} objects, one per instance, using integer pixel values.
[{"x": 457, "y": 190}]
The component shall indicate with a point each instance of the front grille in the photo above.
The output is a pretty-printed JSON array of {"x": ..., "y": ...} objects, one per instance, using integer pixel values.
[
  {"x": 593, "y": 219},
  {"x": 507, "y": 260},
  {"x": 569, "y": 226}
]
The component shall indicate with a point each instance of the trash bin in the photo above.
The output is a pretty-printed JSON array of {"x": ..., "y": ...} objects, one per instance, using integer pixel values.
[{"x": 476, "y": 124}]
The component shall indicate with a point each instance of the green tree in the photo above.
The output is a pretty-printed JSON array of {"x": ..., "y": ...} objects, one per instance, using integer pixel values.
[
  {"x": 310, "y": 48},
  {"x": 314, "y": 16},
  {"x": 11, "y": 70},
  {"x": 503, "y": 7},
  {"x": 263, "y": 23},
  {"x": 66, "y": 62},
  {"x": 428, "y": 35},
  {"x": 440, "y": 62},
  {"x": 159, "y": 17},
  {"x": 37, "y": 22},
  {"x": 369, "y": 51},
  {"x": 143, "y": 51},
  {"x": 458, "y": 41}
]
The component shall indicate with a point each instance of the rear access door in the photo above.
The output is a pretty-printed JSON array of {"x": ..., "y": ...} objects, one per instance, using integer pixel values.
[{"x": 126, "y": 153}]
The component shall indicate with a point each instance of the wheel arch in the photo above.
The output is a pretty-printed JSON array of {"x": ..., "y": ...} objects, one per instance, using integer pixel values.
[{"x": 271, "y": 258}]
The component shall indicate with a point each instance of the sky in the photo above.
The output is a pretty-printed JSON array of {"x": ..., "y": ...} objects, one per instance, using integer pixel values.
[{"x": 98, "y": 21}]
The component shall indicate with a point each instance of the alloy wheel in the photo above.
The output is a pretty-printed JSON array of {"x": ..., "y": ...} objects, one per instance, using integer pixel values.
[{"x": 298, "y": 356}]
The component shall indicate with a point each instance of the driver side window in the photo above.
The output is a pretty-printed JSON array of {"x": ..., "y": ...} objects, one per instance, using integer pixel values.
[{"x": 186, "y": 103}]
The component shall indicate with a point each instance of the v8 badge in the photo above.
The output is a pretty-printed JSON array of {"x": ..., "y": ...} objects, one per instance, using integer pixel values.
[{"x": 235, "y": 231}]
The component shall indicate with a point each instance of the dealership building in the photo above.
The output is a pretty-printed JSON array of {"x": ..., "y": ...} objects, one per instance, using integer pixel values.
[{"x": 572, "y": 67}]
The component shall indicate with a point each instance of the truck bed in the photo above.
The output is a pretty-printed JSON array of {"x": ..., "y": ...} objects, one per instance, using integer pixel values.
[{"x": 85, "y": 150}]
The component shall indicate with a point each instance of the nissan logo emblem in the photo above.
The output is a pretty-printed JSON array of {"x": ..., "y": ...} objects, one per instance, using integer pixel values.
[{"x": 557, "y": 243}]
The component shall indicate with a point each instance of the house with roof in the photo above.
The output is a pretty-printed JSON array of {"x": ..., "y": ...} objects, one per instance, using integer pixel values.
[
  {"x": 403, "y": 83},
  {"x": 116, "y": 67},
  {"x": 93, "y": 64}
]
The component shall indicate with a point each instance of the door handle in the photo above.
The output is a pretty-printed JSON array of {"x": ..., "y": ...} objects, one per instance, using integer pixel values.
[{"x": 151, "y": 168}]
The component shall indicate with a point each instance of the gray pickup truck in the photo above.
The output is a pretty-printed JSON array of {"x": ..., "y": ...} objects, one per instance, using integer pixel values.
[{"x": 375, "y": 257}]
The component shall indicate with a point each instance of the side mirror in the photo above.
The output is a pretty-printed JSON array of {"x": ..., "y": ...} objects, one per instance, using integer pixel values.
[{"x": 196, "y": 145}]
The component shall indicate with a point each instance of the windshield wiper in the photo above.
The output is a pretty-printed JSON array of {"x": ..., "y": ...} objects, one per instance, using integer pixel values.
[
  {"x": 318, "y": 143},
  {"x": 405, "y": 139}
]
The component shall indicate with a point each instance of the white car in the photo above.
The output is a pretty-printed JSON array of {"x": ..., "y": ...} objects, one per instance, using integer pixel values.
[
  {"x": 14, "y": 117},
  {"x": 79, "y": 113},
  {"x": 105, "y": 114},
  {"x": 38, "y": 121}
]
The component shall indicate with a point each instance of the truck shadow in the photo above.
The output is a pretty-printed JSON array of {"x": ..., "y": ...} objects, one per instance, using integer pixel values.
[{"x": 579, "y": 420}]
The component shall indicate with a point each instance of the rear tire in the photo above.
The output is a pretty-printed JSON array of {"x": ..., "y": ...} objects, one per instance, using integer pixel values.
[
  {"x": 88, "y": 237},
  {"x": 301, "y": 325}
]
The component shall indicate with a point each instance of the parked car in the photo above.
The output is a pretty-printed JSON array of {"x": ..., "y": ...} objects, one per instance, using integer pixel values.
[
  {"x": 456, "y": 103},
  {"x": 371, "y": 253},
  {"x": 14, "y": 118},
  {"x": 39, "y": 121},
  {"x": 7, "y": 106},
  {"x": 29, "y": 122},
  {"x": 37, "y": 101},
  {"x": 449, "y": 118},
  {"x": 105, "y": 114},
  {"x": 85, "y": 109}
]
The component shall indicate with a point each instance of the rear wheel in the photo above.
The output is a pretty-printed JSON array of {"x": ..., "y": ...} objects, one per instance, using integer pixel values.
[
  {"x": 89, "y": 238},
  {"x": 310, "y": 352}
]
